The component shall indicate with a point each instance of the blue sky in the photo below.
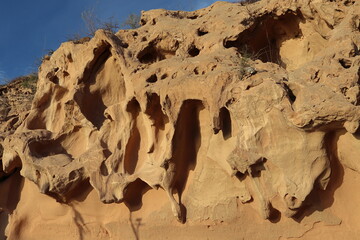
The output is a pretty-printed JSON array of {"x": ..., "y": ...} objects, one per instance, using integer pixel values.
[{"x": 30, "y": 28}]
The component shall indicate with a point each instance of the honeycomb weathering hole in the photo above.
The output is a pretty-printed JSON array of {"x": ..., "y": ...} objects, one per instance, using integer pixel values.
[
  {"x": 90, "y": 99},
  {"x": 266, "y": 36},
  {"x": 193, "y": 51},
  {"x": 133, "y": 145},
  {"x": 225, "y": 122},
  {"x": 151, "y": 54},
  {"x": 187, "y": 137},
  {"x": 152, "y": 79},
  {"x": 201, "y": 32}
]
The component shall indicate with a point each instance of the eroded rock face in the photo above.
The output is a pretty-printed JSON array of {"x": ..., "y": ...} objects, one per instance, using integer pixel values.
[
  {"x": 15, "y": 102},
  {"x": 266, "y": 94}
]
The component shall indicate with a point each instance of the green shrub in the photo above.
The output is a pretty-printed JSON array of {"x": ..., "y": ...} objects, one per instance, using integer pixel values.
[{"x": 30, "y": 81}]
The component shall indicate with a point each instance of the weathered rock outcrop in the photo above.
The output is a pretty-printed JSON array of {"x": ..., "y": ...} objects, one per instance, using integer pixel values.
[
  {"x": 15, "y": 102},
  {"x": 225, "y": 109}
]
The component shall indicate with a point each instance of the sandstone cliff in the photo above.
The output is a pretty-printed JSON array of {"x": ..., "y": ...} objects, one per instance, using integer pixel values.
[
  {"x": 230, "y": 122},
  {"x": 15, "y": 102}
]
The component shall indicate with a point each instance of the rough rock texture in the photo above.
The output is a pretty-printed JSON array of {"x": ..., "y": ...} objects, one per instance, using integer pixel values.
[
  {"x": 239, "y": 121},
  {"x": 15, "y": 102}
]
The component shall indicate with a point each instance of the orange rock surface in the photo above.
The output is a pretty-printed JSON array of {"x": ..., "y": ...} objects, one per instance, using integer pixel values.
[{"x": 237, "y": 121}]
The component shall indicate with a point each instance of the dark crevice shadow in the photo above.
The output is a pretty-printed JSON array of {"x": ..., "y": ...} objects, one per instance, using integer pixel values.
[
  {"x": 80, "y": 192},
  {"x": 290, "y": 93},
  {"x": 183, "y": 210},
  {"x": 318, "y": 199},
  {"x": 46, "y": 148},
  {"x": 153, "y": 109},
  {"x": 4, "y": 221},
  {"x": 152, "y": 53},
  {"x": 357, "y": 133},
  {"x": 156, "y": 115},
  {"x": 134, "y": 193},
  {"x": 133, "y": 146},
  {"x": 101, "y": 54},
  {"x": 90, "y": 101},
  {"x": 225, "y": 123},
  {"x": 186, "y": 144},
  {"x": 10, "y": 190},
  {"x": 275, "y": 215}
]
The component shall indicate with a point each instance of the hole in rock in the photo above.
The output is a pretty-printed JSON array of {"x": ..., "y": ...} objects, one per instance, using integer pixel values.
[
  {"x": 164, "y": 76},
  {"x": 13, "y": 120},
  {"x": 103, "y": 169},
  {"x": 54, "y": 79},
  {"x": 349, "y": 2},
  {"x": 275, "y": 215},
  {"x": 257, "y": 167},
  {"x": 143, "y": 22},
  {"x": 47, "y": 148},
  {"x": 266, "y": 36},
  {"x": 152, "y": 79},
  {"x": 38, "y": 122},
  {"x": 196, "y": 71},
  {"x": 192, "y": 17},
  {"x": 134, "y": 193},
  {"x": 225, "y": 122},
  {"x": 240, "y": 176},
  {"x": 92, "y": 106},
  {"x": 153, "y": 109},
  {"x": 186, "y": 142},
  {"x": 290, "y": 93},
  {"x": 124, "y": 45},
  {"x": 90, "y": 99},
  {"x": 133, "y": 144},
  {"x": 193, "y": 51},
  {"x": 72, "y": 175},
  {"x": 201, "y": 32},
  {"x": 345, "y": 63},
  {"x": 79, "y": 191},
  {"x": 101, "y": 54},
  {"x": 150, "y": 55},
  {"x": 69, "y": 57}
]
